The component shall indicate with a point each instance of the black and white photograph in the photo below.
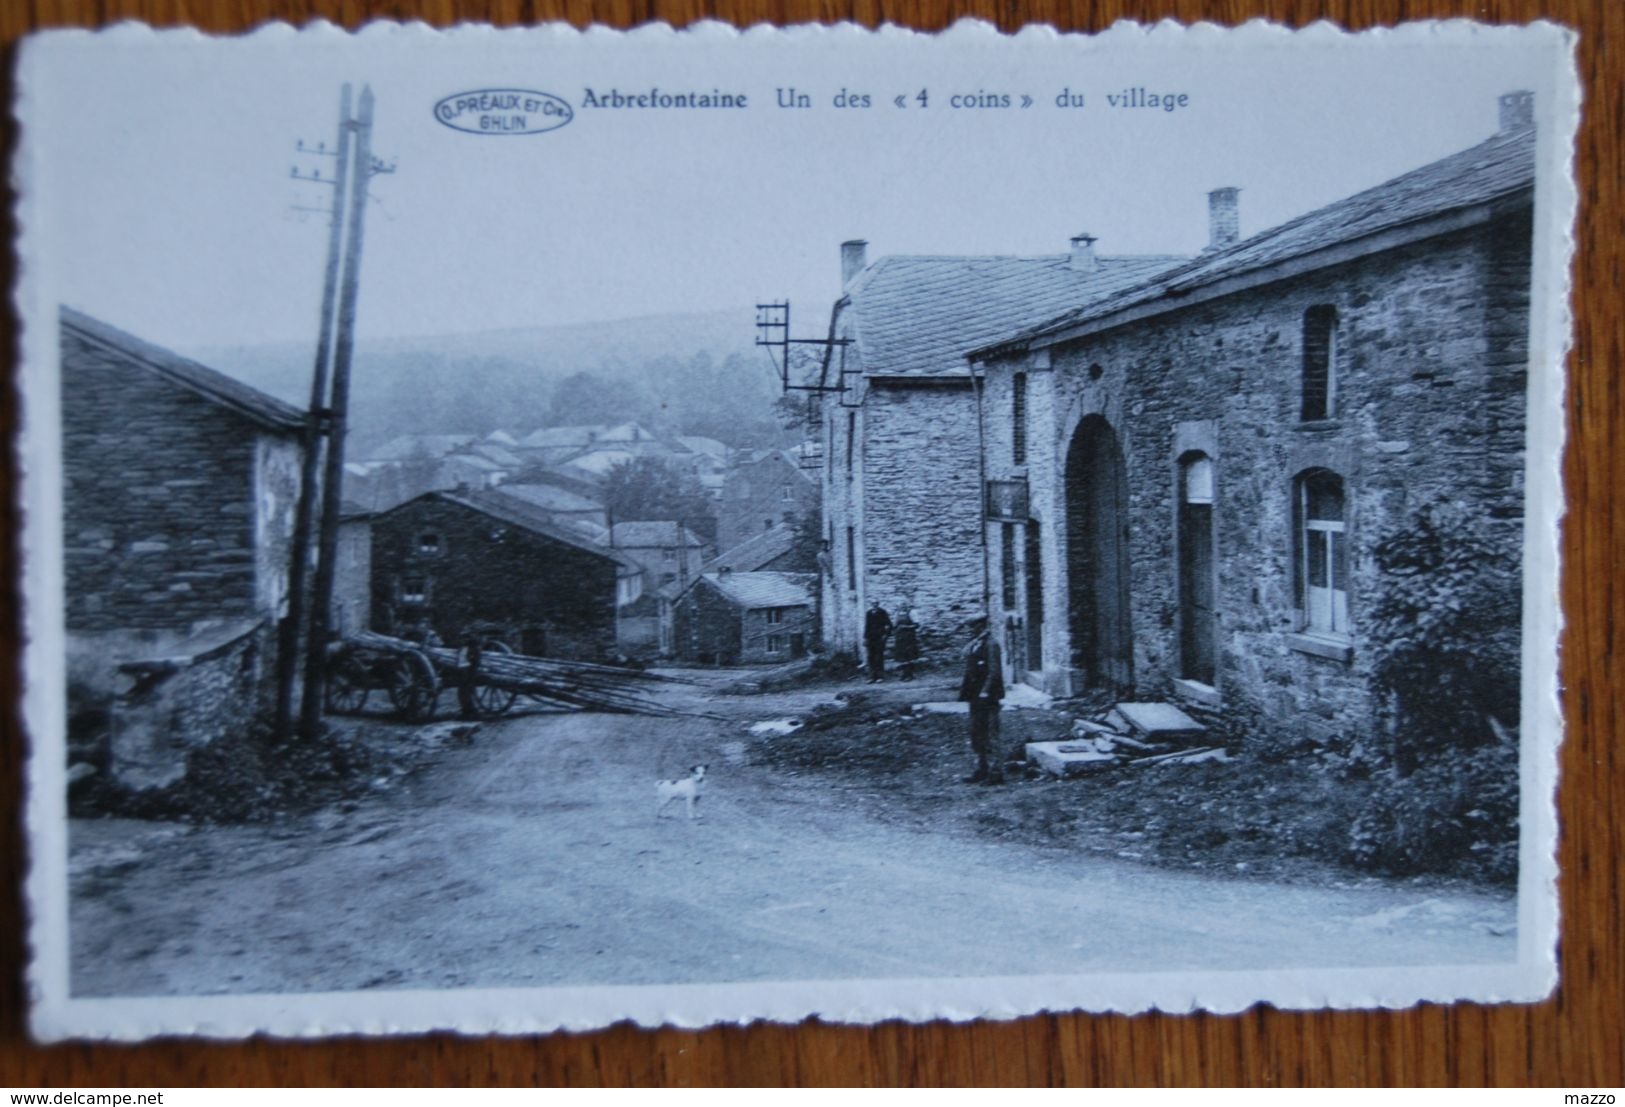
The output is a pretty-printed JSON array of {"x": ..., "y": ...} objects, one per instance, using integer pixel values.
[{"x": 533, "y": 529}]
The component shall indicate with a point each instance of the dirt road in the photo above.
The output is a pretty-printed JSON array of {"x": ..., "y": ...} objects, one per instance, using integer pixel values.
[{"x": 531, "y": 856}]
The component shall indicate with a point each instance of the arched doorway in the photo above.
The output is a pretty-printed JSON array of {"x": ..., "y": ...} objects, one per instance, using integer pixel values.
[{"x": 1098, "y": 558}]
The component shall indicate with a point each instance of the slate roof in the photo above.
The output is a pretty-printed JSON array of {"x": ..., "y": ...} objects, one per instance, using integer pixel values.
[
  {"x": 561, "y": 436},
  {"x": 916, "y": 316},
  {"x": 228, "y": 392},
  {"x": 757, "y": 590},
  {"x": 499, "y": 455},
  {"x": 755, "y": 551},
  {"x": 519, "y": 514},
  {"x": 405, "y": 447},
  {"x": 1500, "y": 167},
  {"x": 646, "y": 533},
  {"x": 700, "y": 444},
  {"x": 550, "y": 497}
]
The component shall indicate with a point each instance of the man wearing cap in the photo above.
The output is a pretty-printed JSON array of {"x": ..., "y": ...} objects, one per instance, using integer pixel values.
[{"x": 983, "y": 689}]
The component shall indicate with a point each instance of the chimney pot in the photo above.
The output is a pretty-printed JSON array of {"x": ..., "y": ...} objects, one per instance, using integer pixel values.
[
  {"x": 1083, "y": 253},
  {"x": 1223, "y": 217},
  {"x": 854, "y": 256},
  {"x": 1517, "y": 111}
]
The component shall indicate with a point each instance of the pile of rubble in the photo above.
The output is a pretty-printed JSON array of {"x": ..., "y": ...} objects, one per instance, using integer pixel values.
[{"x": 1127, "y": 734}]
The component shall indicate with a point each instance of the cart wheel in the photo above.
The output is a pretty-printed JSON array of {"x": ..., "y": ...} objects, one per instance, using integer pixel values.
[
  {"x": 345, "y": 693},
  {"x": 413, "y": 686},
  {"x": 489, "y": 700}
]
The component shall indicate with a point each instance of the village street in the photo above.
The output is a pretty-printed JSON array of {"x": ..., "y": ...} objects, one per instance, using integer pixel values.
[{"x": 531, "y": 856}]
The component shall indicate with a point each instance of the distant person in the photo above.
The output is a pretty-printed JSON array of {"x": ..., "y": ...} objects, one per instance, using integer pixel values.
[
  {"x": 983, "y": 689},
  {"x": 906, "y": 642},
  {"x": 877, "y": 627}
]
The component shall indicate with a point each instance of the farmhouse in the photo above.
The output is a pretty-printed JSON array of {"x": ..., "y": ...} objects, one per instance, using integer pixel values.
[
  {"x": 900, "y": 487},
  {"x": 1204, "y": 488},
  {"x": 449, "y": 561},
  {"x": 179, "y": 487}
]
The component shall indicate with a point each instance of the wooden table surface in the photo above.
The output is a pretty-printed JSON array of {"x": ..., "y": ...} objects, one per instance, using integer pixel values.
[{"x": 1575, "y": 1040}]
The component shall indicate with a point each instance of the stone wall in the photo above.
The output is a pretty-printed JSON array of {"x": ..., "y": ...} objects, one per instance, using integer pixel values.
[
  {"x": 757, "y": 494},
  {"x": 1430, "y": 362},
  {"x": 755, "y": 630},
  {"x": 160, "y": 488},
  {"x": 554, "y": 598},
  {"x": 706, "y": 627},
  {"x": 921, "y": 512},
  {"x": 171, "y": 705}
]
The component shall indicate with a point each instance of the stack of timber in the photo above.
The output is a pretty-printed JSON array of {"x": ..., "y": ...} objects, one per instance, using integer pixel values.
[
  {"x": 578, "y": 685},
  {"x": 1128, "y": 734}
]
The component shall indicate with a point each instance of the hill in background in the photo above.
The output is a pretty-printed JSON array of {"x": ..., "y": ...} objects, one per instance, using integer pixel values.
[{"x": 691, "y": 374}]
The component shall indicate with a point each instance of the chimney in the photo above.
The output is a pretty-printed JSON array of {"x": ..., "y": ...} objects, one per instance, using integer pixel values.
[
  {"x": 1083, "y": 253},
  {"x": 1223, "y": 217},
  {"x": 854, "y": 256},
  {"x": 1517, "y": 111}
]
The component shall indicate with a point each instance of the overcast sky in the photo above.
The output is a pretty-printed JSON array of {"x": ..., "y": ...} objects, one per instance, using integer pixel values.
[{"x": 162, "y": 167}]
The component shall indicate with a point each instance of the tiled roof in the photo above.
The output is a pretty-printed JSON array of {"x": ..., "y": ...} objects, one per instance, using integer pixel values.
[
  {"x": 509, "y": 510},
  {"x": 917, "y": 316},
  {"x": 228, "y": 392},
  {"x": 755, "y": 590},
  {"x": 755, "y": 551},
  {"x": 703, "y": 445},
  {"x": 649, "y": 533},
  {"x": 1499, "y": 167}
]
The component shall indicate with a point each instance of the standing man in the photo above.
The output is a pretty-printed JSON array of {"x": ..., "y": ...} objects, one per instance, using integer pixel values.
[
  {"x": 876, "y": 628},
  {"x": 983, "y": 689}
]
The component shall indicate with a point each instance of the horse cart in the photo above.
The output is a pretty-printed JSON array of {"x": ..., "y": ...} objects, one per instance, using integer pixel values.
[{"x": 488, "y": 676}]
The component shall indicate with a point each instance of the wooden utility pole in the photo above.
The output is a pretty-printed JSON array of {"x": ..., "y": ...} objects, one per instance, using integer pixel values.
[
  {"x": 310, "y": 712},
  {"x": 299, "y": 559}
]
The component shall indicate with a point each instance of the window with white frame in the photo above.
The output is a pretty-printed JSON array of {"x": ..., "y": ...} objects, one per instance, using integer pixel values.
[
  {"x": 774, "y": 616},
  {"x": 1322, "y": 553},
  {"x": 775, "y": 643}
]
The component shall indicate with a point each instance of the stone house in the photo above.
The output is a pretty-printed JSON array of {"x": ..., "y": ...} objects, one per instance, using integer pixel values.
[
  {"x": 179, "y": 489},
  {"x": 667, "y": 551},
  {"x": 900, "y": 489},
  {"x": 451, "y": 560},
  {"x": 728, "y": 618},
  {"x": 1189, "y": 480},
  {"x": 762, "y": 489}
]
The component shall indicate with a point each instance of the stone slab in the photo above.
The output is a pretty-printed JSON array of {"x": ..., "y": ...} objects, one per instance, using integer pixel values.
[
  {"x": 1049, "y": 757},
  {"x": 1158, "y": 719}
]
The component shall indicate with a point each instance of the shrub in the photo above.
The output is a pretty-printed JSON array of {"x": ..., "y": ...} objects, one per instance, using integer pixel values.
[{"x": 1446, "y": 626}]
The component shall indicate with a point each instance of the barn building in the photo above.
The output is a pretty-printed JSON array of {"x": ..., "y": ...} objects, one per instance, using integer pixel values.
[
  {"x": 450, "y": 561},
  {"x": 179, "y": 488},
  {"x": 900, "y": 487},
  {"x": 1195, "y": 483}
]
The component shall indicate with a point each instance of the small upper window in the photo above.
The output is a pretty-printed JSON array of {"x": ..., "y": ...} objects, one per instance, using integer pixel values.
[
  {"x": 784, "y": 492},
  {"x": 668, "y": 553},
  {"x": 774, "y": 615},
  {"x": 1319, "y": 363},
  {"x": 429, "y": 544}
]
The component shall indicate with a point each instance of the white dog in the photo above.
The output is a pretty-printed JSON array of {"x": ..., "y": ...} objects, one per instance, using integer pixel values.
[{"x": 686, "y": 789}]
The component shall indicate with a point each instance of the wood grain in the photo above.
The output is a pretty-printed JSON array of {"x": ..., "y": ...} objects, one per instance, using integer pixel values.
[{"x": 1575, "y": 1040}]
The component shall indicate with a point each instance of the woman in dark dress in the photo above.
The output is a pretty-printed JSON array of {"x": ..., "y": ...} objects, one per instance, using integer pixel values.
[{"x": 906, "y": 643}]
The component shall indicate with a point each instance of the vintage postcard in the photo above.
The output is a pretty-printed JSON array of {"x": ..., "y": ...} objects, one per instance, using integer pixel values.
[{"x": 530, "y": 529}]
